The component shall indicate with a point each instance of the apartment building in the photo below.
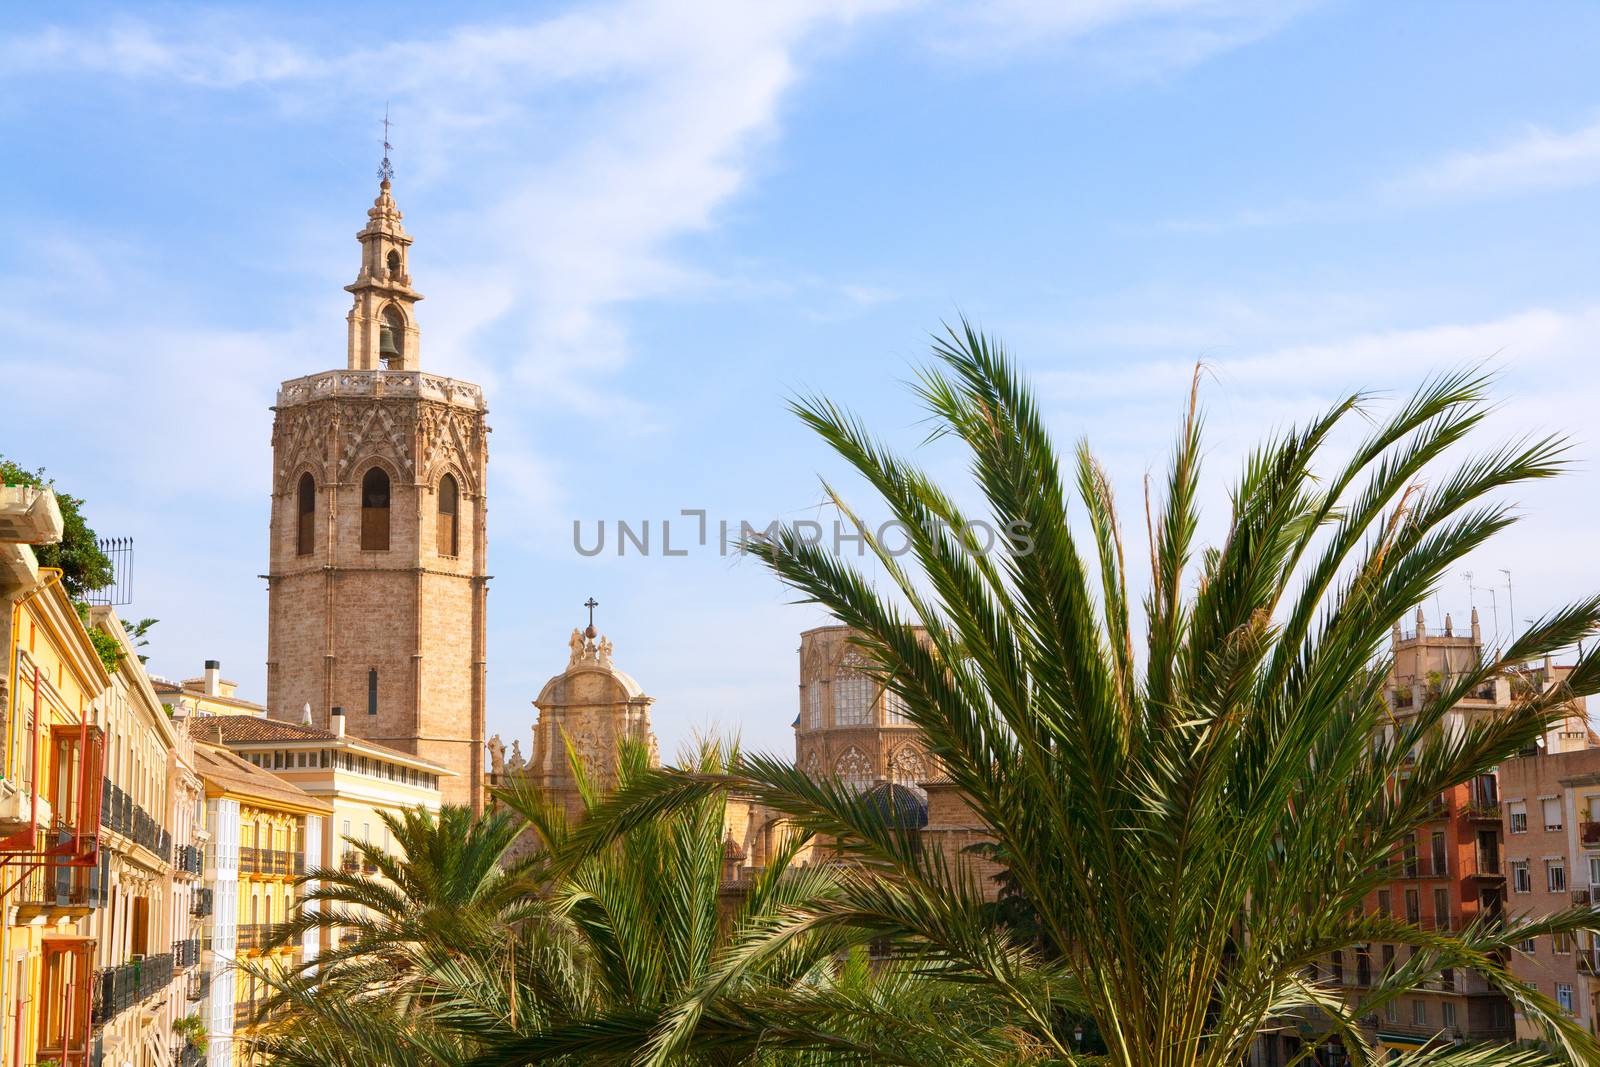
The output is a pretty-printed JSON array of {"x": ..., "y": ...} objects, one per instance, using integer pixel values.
[
  {"x": 53, "y": 875},
  {"x": 264, "y": 834},
  {"x": 1552, "y": 826},
  {"x": 144, "y": 945}
]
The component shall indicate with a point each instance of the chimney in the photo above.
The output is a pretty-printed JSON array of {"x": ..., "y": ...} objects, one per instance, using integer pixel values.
[
  {"x": 336, "y": 722},
  {"x": 213, "y": 676}
]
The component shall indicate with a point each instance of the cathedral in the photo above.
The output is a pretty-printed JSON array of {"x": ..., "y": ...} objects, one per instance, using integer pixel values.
[
  {"x": 377, "y": 578},
  {"x": 377, "y": 586}
]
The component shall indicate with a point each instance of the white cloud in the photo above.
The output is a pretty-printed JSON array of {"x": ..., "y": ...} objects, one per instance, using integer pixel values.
[
  {"x": 1126, "y": 38},
  {"x": 1537, "y": 159}
]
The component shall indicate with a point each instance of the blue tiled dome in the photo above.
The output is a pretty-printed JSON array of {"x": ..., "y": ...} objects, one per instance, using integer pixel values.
[{"x": 900, "y": 806}]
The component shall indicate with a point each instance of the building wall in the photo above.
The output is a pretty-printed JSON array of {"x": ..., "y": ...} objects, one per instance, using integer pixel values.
[
  {"x": 829, "y": 739},
  {"x": 414, "y": 615},
  {"x": 1570, "y": 781},
  {"x": 51, "y": 665},
  {"x": 222, "y": 822}
]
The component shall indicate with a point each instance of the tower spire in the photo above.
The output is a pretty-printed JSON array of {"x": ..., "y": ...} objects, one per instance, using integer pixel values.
[
  {"x": 382, "y": 321},
  {"x": 385, "y": 168}
]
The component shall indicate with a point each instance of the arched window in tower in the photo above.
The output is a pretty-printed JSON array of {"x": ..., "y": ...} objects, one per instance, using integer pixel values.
[
  {"x": 306, "y": 516},
  {"x": 449, "y": 506},
  {"x": 813, "y": 706},
  {"x": 392, "y": 338},
  {"x": 853, "y": 693},
  {"x": 853, "y": 770},
  {"x": 894, "y": 708},
  {"x": 907, "y": 768},
  {"x": 394, "y": 262},
  {"x": 375, "y": 511}
]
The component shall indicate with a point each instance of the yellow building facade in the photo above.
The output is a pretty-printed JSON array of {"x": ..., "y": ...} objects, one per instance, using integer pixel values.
[
  {"x": 54, "y": 686},
  {"x": 261, "y": 829}
]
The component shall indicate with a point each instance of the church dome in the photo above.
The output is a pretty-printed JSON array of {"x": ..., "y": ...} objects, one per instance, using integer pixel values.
[{"x": 899, "y": 806}]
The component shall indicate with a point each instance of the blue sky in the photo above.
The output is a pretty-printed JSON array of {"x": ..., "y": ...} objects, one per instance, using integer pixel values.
[{"x": 643, "y": 226}]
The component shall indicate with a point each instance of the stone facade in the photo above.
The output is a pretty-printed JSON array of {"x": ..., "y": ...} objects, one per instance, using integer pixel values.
[
  {"x": 378, "y": 576},
  {"x": 850, "y": 726},
  {"x": 593, "y": 706}
]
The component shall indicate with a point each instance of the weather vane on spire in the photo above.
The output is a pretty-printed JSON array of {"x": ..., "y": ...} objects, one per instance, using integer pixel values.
[{"x": 385, "y": 169}]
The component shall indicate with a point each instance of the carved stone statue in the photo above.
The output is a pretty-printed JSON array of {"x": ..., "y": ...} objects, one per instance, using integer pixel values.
[
  {"x": 497, "y": 755},
  {"x": 515, "y": 762},
  {"x": 605, "y": 651},
  {"x": 577, "y": 645}
]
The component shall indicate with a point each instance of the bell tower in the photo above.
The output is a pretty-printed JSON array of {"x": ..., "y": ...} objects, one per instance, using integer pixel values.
[
  {"x": 377, "y": 584},
  {"x": 382, "y": 321}
]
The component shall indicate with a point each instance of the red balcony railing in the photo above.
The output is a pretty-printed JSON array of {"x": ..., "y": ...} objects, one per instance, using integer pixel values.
[{"x": 67, "y": 765}]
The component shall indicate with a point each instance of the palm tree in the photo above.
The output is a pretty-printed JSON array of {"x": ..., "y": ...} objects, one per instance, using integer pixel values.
[
  {"x": 636, "y": 951},
  {"x": 1196, "y": 821},
  {"x": 445, "y": 882}
]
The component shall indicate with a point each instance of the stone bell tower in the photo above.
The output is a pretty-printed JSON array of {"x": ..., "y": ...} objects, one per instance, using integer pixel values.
[{"x": 378, "y": 543}]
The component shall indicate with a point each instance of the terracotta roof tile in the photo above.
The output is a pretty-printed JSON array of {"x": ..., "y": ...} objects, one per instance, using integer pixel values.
[
  {"x": 257, "y": 729},
  {"x": 234, "y": 775}
]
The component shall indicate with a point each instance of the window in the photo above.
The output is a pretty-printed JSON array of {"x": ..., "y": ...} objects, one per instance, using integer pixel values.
[
  {"x": 1419, "y": 1012},
  {"x": 1562, "y": 943},
  {"x": 1552, "y": 813},
  {"x": 853, "y": 770},
  {"x": 1449, "y": 1010},
  {"x": 394, "y": 262},
  {"x": 449, "y": 502},
  {"x": 1529, "y": 946},
  {"x": 1388, "y": 962},
  {"x": 1363, "y": 968},
  {"x": 852, "y": 699},
  {"x": 1555, "y": 875},
  {"x": 813, "y": 719},
  {"x": 1385, "y": 903},
  {"x": 372, "y": 691},
  {"x": 894, "y": 708},
  {"x": 375, "y": 511},
  {"x": 306, "y": 516},
  {"x": 1441, "y": 909},
  {"x": 1338, "y": 968},
  {"x": 907, "y": 768},
  {"x": 1413, "y": 906},
  {"x": 1594, "y": 876},
  {"x": 1520, "y": 882},
  {"x": 1391, "y": 1012},
  {"x": 1438, "y": 854},
  {"x": 1517, "y": 814},
  {"x": 1564, "y": 997}
]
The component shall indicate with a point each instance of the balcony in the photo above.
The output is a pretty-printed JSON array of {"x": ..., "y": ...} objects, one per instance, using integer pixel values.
[
  {"x": 202, "y": 903},
  {"x": 119, "y": 988},
  {"x": 1590, "y": 832},
  {"x": 1488, "y": 866},
  {"x": 64, "y": 886},
  {"x": 186, "y": 1055},
  {"x": 257, "y": 937},
  {"x": 1420, "y": 867},
  {"x": 186, "y": 953},
  {"x": 190, "y": 859},
  {"x": 271, "y": 863},
  {"x": 123, "y": 816},
  {"x": 59, "y": 824},
  {"x": 199, "y": 984}
]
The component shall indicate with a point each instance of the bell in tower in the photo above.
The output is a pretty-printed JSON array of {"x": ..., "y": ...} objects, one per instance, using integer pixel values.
[
  {"x": 382, "y": 324},
  {"x": 388, "y": 350}
]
